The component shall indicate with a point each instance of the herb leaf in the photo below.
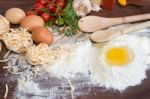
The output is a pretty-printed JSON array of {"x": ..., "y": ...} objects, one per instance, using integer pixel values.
[{"x": 60, "y": 21}]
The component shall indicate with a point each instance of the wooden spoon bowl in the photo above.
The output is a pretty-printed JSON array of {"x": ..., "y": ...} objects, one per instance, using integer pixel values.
[
  {"x": 95, "y": 23},
  {"x": 106, "y": 35}
]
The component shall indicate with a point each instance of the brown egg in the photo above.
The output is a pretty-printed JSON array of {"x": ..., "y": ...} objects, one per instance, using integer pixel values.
[
  {"x": 32, "y": 21},
  {"x": 42, "y": 35}
]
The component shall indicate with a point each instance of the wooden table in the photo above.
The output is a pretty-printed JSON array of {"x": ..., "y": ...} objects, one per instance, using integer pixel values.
[{"x": 141, "y": 91}]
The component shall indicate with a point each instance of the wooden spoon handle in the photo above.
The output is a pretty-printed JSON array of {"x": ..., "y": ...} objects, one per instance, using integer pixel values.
[
  {"x": 135, "y": 18},
  {"x": 136, "y": 27}
]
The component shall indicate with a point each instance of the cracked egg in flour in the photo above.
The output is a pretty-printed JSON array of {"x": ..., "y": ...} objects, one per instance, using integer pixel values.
[{"x": 121, "y": 62}]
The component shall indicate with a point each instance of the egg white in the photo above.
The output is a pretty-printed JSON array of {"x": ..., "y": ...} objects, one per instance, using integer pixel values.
[{"x": 121, "y": 77}]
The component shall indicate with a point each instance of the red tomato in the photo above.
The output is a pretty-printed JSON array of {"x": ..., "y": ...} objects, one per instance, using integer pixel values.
[
  {"x": 45, "y": 16},
  {"x": 51, "y": 1},
  {"x": 38, "y": 6},
  {"x": 60, "y": 3},
  {"x": 52, "y": 7},
  {"x": 43, "y": 2}
]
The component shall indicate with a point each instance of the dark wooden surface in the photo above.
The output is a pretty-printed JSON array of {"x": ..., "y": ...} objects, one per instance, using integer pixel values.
[{"x": 141, "y": 91}]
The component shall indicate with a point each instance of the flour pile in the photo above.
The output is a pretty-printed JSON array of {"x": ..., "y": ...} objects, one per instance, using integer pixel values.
[
  {"x": 128, "y": 75},
  {"x": 77, "y": 61}
]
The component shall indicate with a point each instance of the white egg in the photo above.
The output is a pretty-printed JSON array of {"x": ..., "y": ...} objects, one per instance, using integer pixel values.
[
  {"x": 131, "y": 71},
  {"x": 15, "y": 15}
]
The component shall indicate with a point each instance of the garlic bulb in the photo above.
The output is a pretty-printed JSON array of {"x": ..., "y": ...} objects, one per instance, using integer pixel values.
[
  {"x": 4, "y": 25},
  {"x": 83, "y": 7},
  {"x": 95, "y": 5}
]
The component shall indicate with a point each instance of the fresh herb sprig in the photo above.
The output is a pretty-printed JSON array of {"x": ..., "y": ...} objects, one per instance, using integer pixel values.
[{"x": 70, "y": 18}]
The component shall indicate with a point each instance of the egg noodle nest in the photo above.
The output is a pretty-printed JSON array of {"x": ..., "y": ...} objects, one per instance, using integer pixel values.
[
  {"x": 43, "y": 55},
  {"x": 17, "y": 40}
]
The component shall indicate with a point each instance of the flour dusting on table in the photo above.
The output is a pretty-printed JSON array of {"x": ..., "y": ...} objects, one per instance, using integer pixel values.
[{"x": 37, "y": 83}]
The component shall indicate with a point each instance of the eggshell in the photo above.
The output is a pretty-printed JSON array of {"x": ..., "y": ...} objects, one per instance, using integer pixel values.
[
  {"x": 42, "y": 35},
  {"x": 32, "y": 21},
  {"x": 15, "y": 15}
]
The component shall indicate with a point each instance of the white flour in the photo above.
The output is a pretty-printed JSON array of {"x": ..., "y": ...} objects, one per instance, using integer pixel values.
[
  {"x": 75, "y": 62},
  {"x": 129, "y": 75}
]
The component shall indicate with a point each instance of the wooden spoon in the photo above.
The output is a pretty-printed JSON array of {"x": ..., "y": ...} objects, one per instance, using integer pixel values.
[
  {"x": 106, "y": 35},
  {"x": 95, "y": 23}
]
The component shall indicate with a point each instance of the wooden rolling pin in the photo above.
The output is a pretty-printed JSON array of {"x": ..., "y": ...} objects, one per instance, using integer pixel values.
[
  {"x": 106, "y": 35},
  {"x": 95, "y": 23}
]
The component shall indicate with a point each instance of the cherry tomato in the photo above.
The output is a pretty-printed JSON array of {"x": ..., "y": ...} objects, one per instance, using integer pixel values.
[
  {"x": 43, "y": 2},
  {"x": 45, "y": 16},
  {"x": 51, "y": 1},
  {"x": 38, "y": 6},
  {"x": 52, "y": 7},
  {"x": 60, "y": 3}
]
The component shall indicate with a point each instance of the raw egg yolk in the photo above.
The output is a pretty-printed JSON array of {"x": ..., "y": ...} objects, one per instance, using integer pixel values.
[{"x": 118, "y": 56}]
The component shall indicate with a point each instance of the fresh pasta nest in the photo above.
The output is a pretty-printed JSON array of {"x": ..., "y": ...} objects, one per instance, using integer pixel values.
[
  {"x": 44, "y": 55},
  {"x": 38, "y": 55},
  {"x": 18, "y": 40}
]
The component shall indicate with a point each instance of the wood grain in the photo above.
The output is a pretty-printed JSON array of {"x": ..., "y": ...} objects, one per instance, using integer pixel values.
[{"x": 141, "y": 91}]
